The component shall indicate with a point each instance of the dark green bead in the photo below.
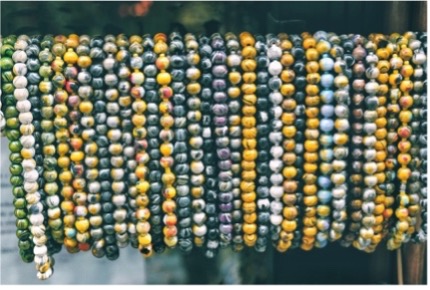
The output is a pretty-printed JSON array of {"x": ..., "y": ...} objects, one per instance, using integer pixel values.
[
  {"x": 7, "y": 76},
  {"x": 8, "y": 88},
  {"x": 6, "y": 63},
  {"x": 23, "y": 234},
  {"x": 22, "y": 224},
  {"x": 16, "y": 180},
  {"x": 15, "y": 169},
  {"x": 15, "y": 158},
  {"x": 12, "y": 123},
  {"x": 49, "y": 163},
  {"x": 7, "y": 49},
  {"x": 20, "y": 213},
  {"x": 20, "y": 203},
  {"x": 27, "y": 256},
  {"x": 12, "y": 134},
  {"x": 11, "y": 112},
  {"x": 24, "y": 245},
  {"x": 18, "y": 192},
  {"x": 8, "y": 100},
  {"x": 15, "y": 146}
]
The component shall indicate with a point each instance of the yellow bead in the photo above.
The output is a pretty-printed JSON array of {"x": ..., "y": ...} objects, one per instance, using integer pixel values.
[
  {"x": 164, "y": 78},
  {"x": 249, "y": 229},
  {"x": 289, "y": 172},
  {"x": 310, "y": 231},
  {"x": 145, "y": 239},
  {"x": 70, "y": 57},
  {"x": 403, "y": 174},
  {"x": 82, "y": 225}
]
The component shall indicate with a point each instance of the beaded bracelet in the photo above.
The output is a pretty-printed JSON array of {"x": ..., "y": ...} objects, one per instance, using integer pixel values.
[
  {"x": 42, "y": 110},
  {"x": 407, "y": 208},
  {"x": 85, "y": 93},
  {"x": 311, "y": 145},
  {"x": 42, "y": 260},
  {"x": 356, "y": 147},
  {"x": 100, "y": 183},
  {"x": 25, "y": 243},
  {"x": 154, "y": 177},
  {"x": 195, "y": 131},
  {"x": 263, "y": 145},
  {"x": 166, "y": 135},
  {"x": 124, "y": 151},
  {"x": 326, "y": 140},
  {"x": 342, "y": 63},
  {"x": 299, "y": 83},
  {"x": 222, "y": 141},
  {"x": 289, "y": 198},
  {"x": 182, "y": 167},
  {"x": 276, "y": 190},
  {"x": 113, "y": 136},
  {"x": 369, "y": 153},
  {"x": 249, "y": 139},
  {"x": 235, "y": 134},
  {"x": 209, "y": 159}
]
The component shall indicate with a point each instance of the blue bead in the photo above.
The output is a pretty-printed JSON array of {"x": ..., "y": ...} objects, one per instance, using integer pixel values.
[
  {"x": 327, "y": 80},
  {"x": 324, "y": 196},
  {"x": 327, "y": 96},
  {"x": 327, "y": 111},
  {"x": 326, "y": 125}
]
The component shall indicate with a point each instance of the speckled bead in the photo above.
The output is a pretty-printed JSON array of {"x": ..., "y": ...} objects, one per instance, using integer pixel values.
[
  {"x": 153, "y": 130},
  {"x": 11, "y": 113},
  {"x": 263, "y": 146},
  {"x": 98, "y": 184},
  {"x": 123, "y": 171},
  {"x": 30, "y": 174},
  {"x": 407, "y": 206},
  {"x": 178, "y": 64},
  {"x": 326, "y": 140},
  {"x": 138, "y": 224},
  {"x": 167, "y": 150},
  {"x": 113, "y": 158},
  {"x": 39, "y": 76},
  {"x": 194, "y": 118},
  {"x": 341, "y": 53},
  {"x": 355, "y": 180},
  {"x": 311, "y": 144},
  {"x": 249, "y": 139},
  {"x": 211, "y": 185}
]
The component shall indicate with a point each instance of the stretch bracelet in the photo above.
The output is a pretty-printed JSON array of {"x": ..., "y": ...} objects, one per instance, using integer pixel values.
[
  {"x": 209, "y": 159},
  {"x": 341, "y": 53},
  {"x": 182, "y": 167},
  {"x": 13, "y": 133},
  {"x": 168, "y": 178},
  {"x": 311, "y": 145},
  {"x": 235, "y": 134},
  {"x": 249, "y": 139},
  {"x": 100, "y": 182},
  {"x": 263, "y": 145},
  {"x": 326, "y": 180},
  {"x": 276, "y": 190},
  {"x": 195, "y": 141},
  {"x": 299, "y": 96},
  {"x": 289, "y": 198},
  {"x": 113, "y": 135},
  {"x": 356, "y": 143}
]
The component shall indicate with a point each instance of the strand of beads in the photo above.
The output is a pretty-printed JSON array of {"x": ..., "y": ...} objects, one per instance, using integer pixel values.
[
  {"x": 195, "y": 141},
  {"x": 326, "y": 126},
  {"x": 166, "y": 135},
  {"x": 100, "y": 183},
  {"x": 220, "y": 118},
  {"x": 276, "y": 190},
  {"x": 311, "y": 145},
  {"x": 154, "y": 177},
  {"x": 299, "y": 83},
  {"x": 249, "y": 141},
  {"x": 419, "y": 140},
  {"x": 85, "y": 93},
  {"x": 123, "y": 153},
  {"x": 77, "y": 156},
  {"x": 402, "y": 229},
  {"x": 45, "y": 138},
  {"x": 381, "y": 200},
  {"x": 369, "y": 141},
  {"x": 42, "y": 260},
  {"x": 13, "y": 133},
  {"x": 182, "y": 167},
  {"x": 113, "y": 135},
  {"x": 235, "y": 134},
  {"x": 263, "y": 146},
  {"x": 343, "y": 60},
  {"x": 209, "y": 159},
  {"x": 2, "y": 117},
  {"x": 356, "y": 147},
  {"x": 289, "y": 198}
]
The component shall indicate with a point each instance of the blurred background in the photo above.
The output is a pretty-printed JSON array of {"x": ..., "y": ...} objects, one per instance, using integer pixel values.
[{"x": 331, "y": 265}]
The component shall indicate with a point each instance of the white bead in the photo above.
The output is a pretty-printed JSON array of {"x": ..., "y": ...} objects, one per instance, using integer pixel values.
[
  {"x": 53, "y": 212},
  {"x": 27, "y": 141},
  {"x": 19, "y": 56},
  {"x": 20, "y": 94},
  {"x": 19, "y": 69},
  {"x": 339, "y": 192},
  {"x": 38, "y": 231},
  {"x": 276, "y": 151},
  {"x": 45, "y": 275},
  {"x": 36, "y": 219},
  {"x": 276, "y": 165},
  {"x": 274, "y": 52},
  {"x": 276, "y": 98},
  {"x": 31, "y": 187},
  {"x": 28, "y": 164},
  {"x": 370, "y": 180},
  {"x": 20, "y": 82},
  {"x": 234, "y": 60},
  {"x": 40, "y": 260},
  {"x": 276, "y": 192},
  {"x": 263, "y": 203},
  {"x": 275, "y": 68},
  {"x": 200, "y": 231},
  {"x": 32, "y": 198},
  {"x": 109, "y": 63},
  {"x": 21, "y": 43},
  {"x": 199, "y": 218},
  {"x": 119, "y": 200},
  {"x": 31, "y": 176},
  {"x": 276, "y": 219},
  {"x": 40, "y": 241},
  {"x": 23, "y": 106},
  {"x": 94, "y": 187},
  {"x": 276, "y": 178}
]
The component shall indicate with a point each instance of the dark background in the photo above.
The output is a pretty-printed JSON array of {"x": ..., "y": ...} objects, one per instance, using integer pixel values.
[{"x": 332, "y": 265}]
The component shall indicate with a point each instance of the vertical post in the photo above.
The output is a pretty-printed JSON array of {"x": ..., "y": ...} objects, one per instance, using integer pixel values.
[{"x": 396, "y": 17}]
